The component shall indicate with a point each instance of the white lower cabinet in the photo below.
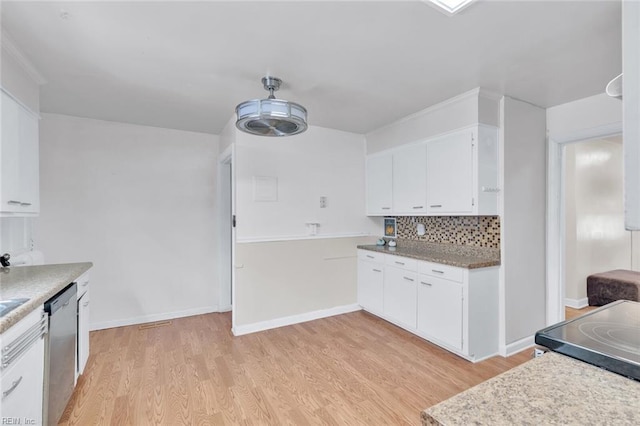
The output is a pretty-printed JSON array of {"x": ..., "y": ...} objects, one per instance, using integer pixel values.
[
  {"x": 82, "y": 344},
  {"x": 440, "y": 310},
  {"x": 370, "y": 282},
  {"x": 455, "y": 308},
  {"x": 22, "y": 377},
  {"x": 400, "y": 295}
]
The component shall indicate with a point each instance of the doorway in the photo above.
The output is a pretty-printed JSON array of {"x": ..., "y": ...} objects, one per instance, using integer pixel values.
[
  {"x": 555, "y": 212},
  {"x": 594, "y": 237}
]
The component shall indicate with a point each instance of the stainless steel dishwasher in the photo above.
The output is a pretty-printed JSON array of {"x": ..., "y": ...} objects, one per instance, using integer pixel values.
[{"x": 60, "y": 362}]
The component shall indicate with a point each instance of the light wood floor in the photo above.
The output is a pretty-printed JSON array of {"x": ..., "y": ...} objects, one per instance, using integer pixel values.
[
  {"x": 570, "y": 313},
  {"x": 347, "y": 369}
]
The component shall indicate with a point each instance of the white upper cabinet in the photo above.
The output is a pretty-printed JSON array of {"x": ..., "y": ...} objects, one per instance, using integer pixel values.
[
  {"x": 19, "y": 159},
  {"x": 631, "y": 112},
  {"x": 379, "y": 189},
  {"x": 450, "y": 171},
  {"x": 454, "y": 174},
  {"x": 462, "y": 172},
  {"x": 410, "y": 180}
]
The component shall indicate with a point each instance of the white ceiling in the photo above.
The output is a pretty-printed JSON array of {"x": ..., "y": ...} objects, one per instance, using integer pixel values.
[{"x": 355, "y": 65}]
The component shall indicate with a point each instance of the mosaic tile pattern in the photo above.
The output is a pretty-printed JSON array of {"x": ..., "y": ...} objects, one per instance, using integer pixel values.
[{"x": 477, "y": 231}]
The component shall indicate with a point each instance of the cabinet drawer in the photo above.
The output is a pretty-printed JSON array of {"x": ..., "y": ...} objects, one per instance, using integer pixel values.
[
  {"x": 370, "y": 256},
  {"x": 401, "y": 262},
  {"x": 441, "y": 271}
]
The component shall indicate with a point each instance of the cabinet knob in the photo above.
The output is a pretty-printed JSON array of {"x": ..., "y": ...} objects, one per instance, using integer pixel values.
[
  {"x": 427, "y": 284},
  {"x": 14, "y": 202},
  {"x": 418, "y": 207},
  {"x": 433, "y": 206},
  {"x": 408, "y": 279},
  {"x": 437, "y": 272}
]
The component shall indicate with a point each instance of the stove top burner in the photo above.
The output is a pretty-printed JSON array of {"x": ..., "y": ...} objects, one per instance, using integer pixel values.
[
  {"x": 618, "y": 337},
  {"x": 608, "y": 337}
]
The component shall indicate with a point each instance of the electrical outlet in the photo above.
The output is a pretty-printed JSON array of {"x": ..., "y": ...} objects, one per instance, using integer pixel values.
[
  {"x": 323, "y": 202},
  {"x": 538, "y": 352}
]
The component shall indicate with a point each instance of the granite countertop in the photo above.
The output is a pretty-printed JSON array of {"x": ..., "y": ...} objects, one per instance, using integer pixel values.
[
  {"x": 38, "y": 283},
  {"x": 448, "y": 254},
  {"x": 549, "y": 390}
]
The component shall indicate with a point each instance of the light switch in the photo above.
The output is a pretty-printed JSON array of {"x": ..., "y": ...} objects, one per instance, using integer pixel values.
[{"x": 323, "y": 202}]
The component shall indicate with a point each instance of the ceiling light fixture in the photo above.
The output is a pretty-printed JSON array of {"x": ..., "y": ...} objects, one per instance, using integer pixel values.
[
  {"x": 450, "y": 7},
  {"x": 271, "y": 116}
]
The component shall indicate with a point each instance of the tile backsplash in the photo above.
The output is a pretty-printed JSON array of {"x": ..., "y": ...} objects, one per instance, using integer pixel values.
[{"x": 477, "y": 231}]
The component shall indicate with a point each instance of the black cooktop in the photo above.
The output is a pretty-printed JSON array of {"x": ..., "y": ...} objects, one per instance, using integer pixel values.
[{"x": 608, "y": 337}]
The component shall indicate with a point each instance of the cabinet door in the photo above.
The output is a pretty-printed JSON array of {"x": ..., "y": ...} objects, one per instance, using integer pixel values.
[
  {"x": 29, "y": 163},
  {"x": 22, "y": 386},
  {"x": 83, "y": 332},
  {"x": 379, "y": 186},
  {"x": 370, "y": 284},
  {"x": 440, "y": 310},
  {"x": 410, "y": 180},
  {"x": 9, "y": 154},
  {"x": 19, "y": 190},
  {"x": 450, "y": 173},
  {"x": 400, "y": 295}
]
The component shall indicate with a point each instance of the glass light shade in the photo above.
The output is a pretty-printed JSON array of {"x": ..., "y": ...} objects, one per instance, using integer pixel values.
[{"x": 271, "y": 117}]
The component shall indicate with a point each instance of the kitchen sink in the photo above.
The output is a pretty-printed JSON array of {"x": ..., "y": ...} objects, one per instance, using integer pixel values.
[{"x": 8, "y": 305}]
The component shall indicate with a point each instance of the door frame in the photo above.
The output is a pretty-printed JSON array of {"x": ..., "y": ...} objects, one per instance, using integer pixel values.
[
  {"x": 555, "y": 212},
  {"x": 226, "y": 274}
]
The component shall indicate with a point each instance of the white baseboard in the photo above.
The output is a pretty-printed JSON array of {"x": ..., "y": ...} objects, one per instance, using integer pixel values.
[
  {"x": 225, "y": 308},
  {"x": 152, "y": 318},
  {"x": 517, "y": 346},
  {"x": 576, "y": 303},
  {"x": 294, "y": 319}
]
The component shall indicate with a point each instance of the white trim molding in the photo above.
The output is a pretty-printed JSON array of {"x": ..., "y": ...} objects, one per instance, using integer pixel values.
[
  {"x": 518, "y": 346},
  {"x": 9, "y": 46},
  {"x": 576, "y": 303},
  {"x": 294, "y": 319},
  {"x": 244, "y": 240},
  {"x": 143, "y": 319}
]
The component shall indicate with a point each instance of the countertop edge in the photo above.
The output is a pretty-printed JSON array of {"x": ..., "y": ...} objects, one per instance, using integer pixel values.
[
  {"x": 476, "y": 264},
  {"x": 13, "y": 317}
]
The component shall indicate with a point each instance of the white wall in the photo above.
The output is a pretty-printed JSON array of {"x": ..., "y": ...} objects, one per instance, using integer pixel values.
[
  {"x": 523, "y": 212},
  {"x": 595, "y": 238},
  {"x": 281, "y": 270},
  {"x": 18, "y": 75},
  {"x": 319, "y": 162},
  {"x": 282, "y": 279},
  {"x": 473, "y": 107},
  {"x": 138, "y": 202},
  {"x": 582, "y": 116},
  {"x": 228, "y": 134}
]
